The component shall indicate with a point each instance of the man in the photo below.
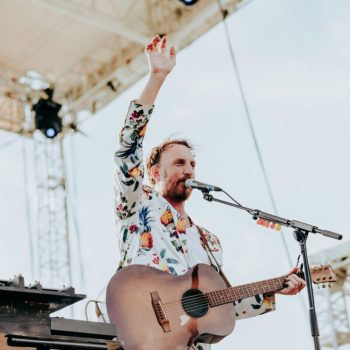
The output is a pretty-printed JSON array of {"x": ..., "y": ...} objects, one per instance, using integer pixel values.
[{"x": 154, "y": 228}]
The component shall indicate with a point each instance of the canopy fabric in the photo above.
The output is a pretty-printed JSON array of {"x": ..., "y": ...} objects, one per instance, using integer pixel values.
[{"x": 88, "y": 51}]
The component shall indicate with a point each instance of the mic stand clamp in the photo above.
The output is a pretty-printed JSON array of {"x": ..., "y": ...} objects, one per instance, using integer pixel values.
[{"x": 207, "y": 196}]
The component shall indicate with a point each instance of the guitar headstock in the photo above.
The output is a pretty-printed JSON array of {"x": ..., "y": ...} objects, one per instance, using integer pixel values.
[{"x": 324, "y": 275}]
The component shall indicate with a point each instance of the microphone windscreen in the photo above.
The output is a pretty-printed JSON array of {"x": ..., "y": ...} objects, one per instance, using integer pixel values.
[{"x": 188, "y": 183}]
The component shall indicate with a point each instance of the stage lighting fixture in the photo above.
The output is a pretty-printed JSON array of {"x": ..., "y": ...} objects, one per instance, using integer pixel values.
[
  {"x": 189, "y": 2},
  {"x": 47, "y": 119}
]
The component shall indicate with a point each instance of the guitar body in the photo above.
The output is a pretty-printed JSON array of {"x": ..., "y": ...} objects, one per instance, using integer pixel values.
[{"x": 130, "y": 308}]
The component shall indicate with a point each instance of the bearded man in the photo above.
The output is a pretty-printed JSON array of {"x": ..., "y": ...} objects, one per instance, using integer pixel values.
[{"x": 153, "y": 226}]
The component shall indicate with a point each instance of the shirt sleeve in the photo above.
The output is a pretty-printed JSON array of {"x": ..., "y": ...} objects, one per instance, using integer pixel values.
[
  {"x": 129, "y": 160},
  {"x": 254, "y": 306}
]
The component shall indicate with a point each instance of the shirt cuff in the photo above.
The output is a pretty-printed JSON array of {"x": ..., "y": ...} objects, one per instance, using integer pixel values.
[{"x": 137, "y": 117}]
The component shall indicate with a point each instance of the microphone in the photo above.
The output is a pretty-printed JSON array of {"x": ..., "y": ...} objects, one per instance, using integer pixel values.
[{"x": 194, "y": 184}]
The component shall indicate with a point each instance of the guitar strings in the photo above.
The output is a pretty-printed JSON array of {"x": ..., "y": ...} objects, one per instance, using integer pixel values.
[
  {"x": 197, "y": 302},
  {"x": 187, "y": 300},
  {"x": 201, "y": 302},
  {"x": 215, "y": 298},
  {"x": 230, "y": 293},
  {"x": 192, "y": 299},
  {"x": 194, "y": 303},
  {"x": 250, "y": 290},
  {"x": 180, "y": 309}
]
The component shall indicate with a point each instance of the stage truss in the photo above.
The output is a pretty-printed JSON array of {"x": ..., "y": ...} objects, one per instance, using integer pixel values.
[{"x": 332, "y": 303}]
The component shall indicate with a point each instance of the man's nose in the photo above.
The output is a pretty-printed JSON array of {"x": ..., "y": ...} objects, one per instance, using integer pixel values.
[{"x": 188, "y": 169}]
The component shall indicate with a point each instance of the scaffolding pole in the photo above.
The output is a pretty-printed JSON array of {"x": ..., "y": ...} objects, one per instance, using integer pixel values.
[
  {"x": 52, "y": 244},
  {"x": 332, "y": 303}
]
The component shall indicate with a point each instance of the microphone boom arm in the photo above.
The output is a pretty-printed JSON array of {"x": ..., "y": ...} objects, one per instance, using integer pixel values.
[
  {"x": 301, "y": 231},
  {"x": 259, "y": 214}
]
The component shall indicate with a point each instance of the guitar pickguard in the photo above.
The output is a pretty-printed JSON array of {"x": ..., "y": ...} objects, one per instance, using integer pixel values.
[{"x": 184, "y": 319}]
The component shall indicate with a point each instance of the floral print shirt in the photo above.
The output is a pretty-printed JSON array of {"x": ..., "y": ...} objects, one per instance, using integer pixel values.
[{"x": 150, "y": 231}]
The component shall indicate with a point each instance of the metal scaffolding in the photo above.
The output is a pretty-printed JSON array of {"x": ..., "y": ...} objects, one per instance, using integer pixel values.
[
  {"x": 52, "y": 241},
  {"x": 332, "y": 303}
]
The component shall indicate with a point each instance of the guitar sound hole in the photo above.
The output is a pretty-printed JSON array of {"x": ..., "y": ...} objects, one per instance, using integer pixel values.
[{"x": 195, "y": 303}]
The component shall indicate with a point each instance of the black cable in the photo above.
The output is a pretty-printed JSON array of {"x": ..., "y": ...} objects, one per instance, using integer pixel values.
[
  {"x": 250, "y": 123},
  {"x": 232, "y": 198},
  {"x": 251, "y": 212}
]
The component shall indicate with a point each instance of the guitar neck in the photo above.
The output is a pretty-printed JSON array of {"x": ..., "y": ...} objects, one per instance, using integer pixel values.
[{"x": 229, "y": 295}]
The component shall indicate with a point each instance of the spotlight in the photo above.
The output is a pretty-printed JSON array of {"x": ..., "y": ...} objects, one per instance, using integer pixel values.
[
  {"x": 189, "y": 2},
  {"x": 46, "y": 116}
]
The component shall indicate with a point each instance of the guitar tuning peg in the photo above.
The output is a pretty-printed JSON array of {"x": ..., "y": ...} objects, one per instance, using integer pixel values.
[{"x": 323, "y": 285}]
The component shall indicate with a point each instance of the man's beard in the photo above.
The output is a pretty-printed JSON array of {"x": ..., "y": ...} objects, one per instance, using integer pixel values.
[{"x": 176, "y": 190}]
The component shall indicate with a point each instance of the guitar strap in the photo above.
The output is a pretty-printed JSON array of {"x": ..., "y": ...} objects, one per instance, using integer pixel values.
[{"x": 211, "y": 255}]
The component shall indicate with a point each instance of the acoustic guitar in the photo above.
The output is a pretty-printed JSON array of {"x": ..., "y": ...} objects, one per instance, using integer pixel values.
[{"x": 153, "y": 310}]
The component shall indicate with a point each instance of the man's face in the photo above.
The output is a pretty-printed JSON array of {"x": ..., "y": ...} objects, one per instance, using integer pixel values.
[{"x": 177, "y": 164}]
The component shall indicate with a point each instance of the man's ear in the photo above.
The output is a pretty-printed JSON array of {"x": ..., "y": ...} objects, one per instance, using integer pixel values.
[{"x": 155, "y": 174}]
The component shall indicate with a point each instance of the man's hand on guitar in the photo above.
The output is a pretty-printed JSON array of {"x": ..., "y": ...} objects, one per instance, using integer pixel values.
[
  {"x": 160, "y": 62},
  {"x": 294, "y": 284}
]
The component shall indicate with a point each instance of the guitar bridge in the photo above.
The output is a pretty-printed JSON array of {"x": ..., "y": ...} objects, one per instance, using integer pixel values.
[{"x": 160, "y": 312}]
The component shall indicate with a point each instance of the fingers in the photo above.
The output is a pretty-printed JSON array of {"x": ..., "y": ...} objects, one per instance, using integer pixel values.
[
  {"x": 294, "y": 285},
  {"x": 159, "y": 44},
  {"x": 172, "y": 54},
  {"x": 163, "y": 44},
  {"x": 152, "y": 46},
  {"x": 302, "y": 284}
]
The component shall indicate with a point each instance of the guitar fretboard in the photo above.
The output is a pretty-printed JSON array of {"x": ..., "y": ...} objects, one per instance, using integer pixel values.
[{"x": 228, "y": 295}]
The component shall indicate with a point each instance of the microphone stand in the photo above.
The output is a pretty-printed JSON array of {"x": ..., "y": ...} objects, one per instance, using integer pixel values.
[{"x": 301, "y": 231}]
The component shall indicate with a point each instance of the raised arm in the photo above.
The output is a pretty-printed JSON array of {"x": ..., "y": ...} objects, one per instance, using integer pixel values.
[
  {"x": 129, "y": 156},
  {"x": 160, "y": 65}
]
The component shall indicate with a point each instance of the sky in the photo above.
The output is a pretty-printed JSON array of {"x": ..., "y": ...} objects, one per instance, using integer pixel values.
[{"x": 293, "y": 59}]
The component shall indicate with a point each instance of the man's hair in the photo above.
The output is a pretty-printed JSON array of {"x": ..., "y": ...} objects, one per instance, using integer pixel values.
[{"x": 157, "y": 151}]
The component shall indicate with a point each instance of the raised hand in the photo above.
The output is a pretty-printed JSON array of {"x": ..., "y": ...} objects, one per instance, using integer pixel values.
[
  {"x": 161, "y": 64},
  {"x": 160, "y": 61}
]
